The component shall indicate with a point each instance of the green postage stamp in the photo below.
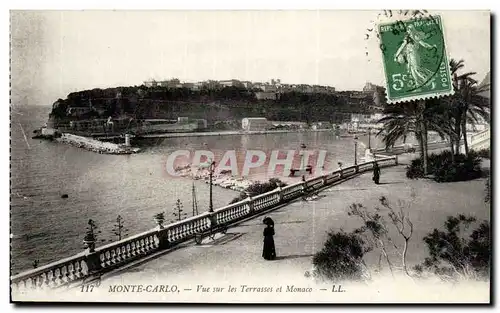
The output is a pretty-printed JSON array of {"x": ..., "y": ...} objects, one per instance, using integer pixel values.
[{"x": 415, "y": 61}]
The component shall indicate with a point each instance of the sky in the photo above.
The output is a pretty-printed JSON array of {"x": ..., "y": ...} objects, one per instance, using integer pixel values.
[{"x": 54, "y": 53}]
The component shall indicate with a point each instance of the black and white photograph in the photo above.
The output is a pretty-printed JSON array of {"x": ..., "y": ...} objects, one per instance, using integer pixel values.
[{"x": 250, "y": 156}]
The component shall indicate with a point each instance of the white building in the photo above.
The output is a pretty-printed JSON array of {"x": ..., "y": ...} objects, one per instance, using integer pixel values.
[
  {"x": 254, "y": 123},
  {"x": 263, "y": 95}
]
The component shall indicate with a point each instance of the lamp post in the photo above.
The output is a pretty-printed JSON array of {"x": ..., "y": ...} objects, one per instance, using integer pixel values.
[
  {"x": 211, "y": 169},
  {"x": 369, "y": 139},
  {"x": 355, "y": 150}
]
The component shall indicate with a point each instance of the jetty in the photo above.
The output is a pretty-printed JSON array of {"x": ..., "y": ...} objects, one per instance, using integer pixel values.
[
  {"x": 84, "y": 142},
  {"x": 96, "y": 145}
]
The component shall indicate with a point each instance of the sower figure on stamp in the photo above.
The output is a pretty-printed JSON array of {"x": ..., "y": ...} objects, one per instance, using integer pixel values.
[
  {"x": 376, "y": 173},
  {"x": 408, "y": 53},
  {"x": 269, "y": 251}
]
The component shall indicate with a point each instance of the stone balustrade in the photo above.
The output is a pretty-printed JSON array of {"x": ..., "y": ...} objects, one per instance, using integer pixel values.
[
  {"x": 232, "y": 212},
  {"x": 113, "y": 255},
  {"x": 479, "y": 138},
  {"x": 124, "y": 251},
  {"x": 52, "y": 275},
  {"x": 265, "y": 200},
  {"x": 186, "y": 229}
]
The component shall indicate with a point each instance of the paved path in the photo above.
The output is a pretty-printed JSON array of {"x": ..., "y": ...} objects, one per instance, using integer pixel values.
[{"x": 301, "y": 229}]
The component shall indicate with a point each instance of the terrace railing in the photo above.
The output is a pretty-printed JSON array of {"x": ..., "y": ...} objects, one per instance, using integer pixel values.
[{"x": 105, "y": 258}]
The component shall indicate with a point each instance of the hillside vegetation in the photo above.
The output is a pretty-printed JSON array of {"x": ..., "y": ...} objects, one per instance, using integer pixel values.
[{"x": 226, "y": 103}]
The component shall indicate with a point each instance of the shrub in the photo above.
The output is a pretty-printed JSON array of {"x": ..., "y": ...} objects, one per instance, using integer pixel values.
[
  {"x": 464, "y": 168},
  {"x": 376, "y": 228},
  {"x": 483, "y": 153},
  {"x": 443, "y": 169},
  {"x": 415, "y": 169},
  {"x": 452, "y": 256},
  {"x": 341, "y": 258}
]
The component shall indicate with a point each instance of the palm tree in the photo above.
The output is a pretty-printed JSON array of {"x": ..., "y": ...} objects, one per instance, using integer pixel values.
[
  {"x": 402, "y": 119},
  {"x": 399, "y": 121},
  {"x": 417, "y": 117},
  {"x": 467, "y": 103}
]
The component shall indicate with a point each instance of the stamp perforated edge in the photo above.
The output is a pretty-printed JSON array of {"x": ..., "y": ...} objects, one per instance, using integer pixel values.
[{"x": 424, "y": 96}]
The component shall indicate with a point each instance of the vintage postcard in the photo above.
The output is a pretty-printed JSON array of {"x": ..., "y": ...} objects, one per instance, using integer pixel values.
[{"x": 288, "y": 156}]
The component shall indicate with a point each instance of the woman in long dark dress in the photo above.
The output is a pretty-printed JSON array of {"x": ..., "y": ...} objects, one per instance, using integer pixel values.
[
  {"x": 376, "y": 173},
  {"x": 269, "y": 251}
]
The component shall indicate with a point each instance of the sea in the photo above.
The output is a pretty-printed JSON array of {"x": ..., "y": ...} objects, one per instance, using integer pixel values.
[{"x": 46, "y": 227}]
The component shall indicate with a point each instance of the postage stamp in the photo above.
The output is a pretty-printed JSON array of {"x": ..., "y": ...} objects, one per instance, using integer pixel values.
[
  {"x": 415, "y": 61},
  {"x": 218, "y": 156}
]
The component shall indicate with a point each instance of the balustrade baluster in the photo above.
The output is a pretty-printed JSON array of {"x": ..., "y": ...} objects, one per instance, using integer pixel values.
[
  {"x": 119, "y": 255},
  {"x": 133, "y": 249},
  {"x": 107, "y": 257},
  {"x": 154, "y": 242},
  {"x": 169, "y": 235},
  {"x": 112, "y": 256},
  {"x": 149, "y": 247},
  {"x": 79, "y": 269},
  {"x": 137, "y": 245},
  {"x": 38, "y": 281},
  {"x": 46, "y": 280},
  {"x": 67, "y": 273},
  {"x": 53, "y": 277},
  {"x": 180, "y": 232},
  {"x": 73, "y": 271},
  {"x": 128, "y": 248},
  {"x": 140, "y": 242},
  {"x": 173, "y": 233},
  {"x": 151, "y": 243}
]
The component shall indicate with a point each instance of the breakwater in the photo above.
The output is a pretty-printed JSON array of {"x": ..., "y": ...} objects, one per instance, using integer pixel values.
[{"x": 95, "y": 145}]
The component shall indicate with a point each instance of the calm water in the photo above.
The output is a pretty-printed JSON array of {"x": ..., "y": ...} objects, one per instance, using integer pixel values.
[{"x": 46, "y": 227}]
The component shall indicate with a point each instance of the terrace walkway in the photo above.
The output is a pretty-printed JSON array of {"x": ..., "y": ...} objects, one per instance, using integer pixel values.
[{"x": 301, "y": 229}]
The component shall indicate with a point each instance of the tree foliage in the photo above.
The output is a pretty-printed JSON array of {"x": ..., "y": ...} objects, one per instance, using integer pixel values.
[
  {"x": 213, "y": 103},
  {"x": 341, "y": 258},
  {"x": 453, "y": 256}
]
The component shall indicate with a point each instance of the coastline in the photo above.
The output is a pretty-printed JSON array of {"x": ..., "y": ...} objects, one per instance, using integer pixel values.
[
  {"x": 220, "y": 133},
  {"x": 221, "y": 179}
]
